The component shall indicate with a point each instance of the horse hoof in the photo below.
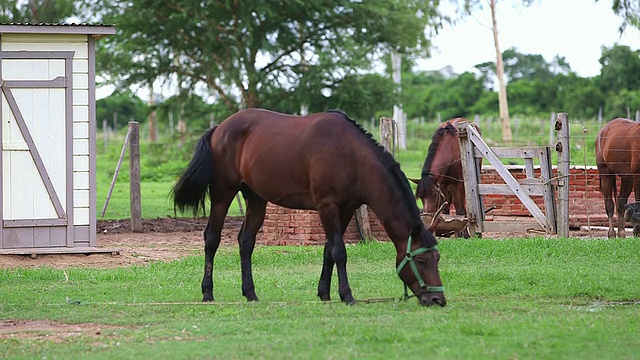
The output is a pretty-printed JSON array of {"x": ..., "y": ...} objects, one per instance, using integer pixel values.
[
  {"x": 324, "y": 297},
  {"x": 207, "y": 298},
  {"x": 349, "y": 300}
]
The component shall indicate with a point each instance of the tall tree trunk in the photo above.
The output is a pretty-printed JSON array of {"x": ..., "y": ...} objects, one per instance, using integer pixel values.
[
  {"x": 398, "y": 113},
  {"x": 152, "y": 116},
  {"x": 502, "y": 94}
]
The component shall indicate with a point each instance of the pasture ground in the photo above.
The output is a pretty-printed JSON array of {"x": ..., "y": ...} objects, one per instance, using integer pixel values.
[
  {"x": 165, "y": 239},
  {"x": 508, "y": 298}
]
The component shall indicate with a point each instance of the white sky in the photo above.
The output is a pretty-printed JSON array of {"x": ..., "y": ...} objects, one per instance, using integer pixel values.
[{"x": 575, "y": 29}]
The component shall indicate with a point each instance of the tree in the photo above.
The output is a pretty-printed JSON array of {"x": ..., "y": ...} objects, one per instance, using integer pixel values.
[
  {"x": 37, "y": 11},
  {"x": 577, "y": 96},
  {"x": 629, "y": 10},
  {"x": 456, "y": 96},
  {"x": 620, "y": 69},
  {"x": 126, "y": 104},
  {"x": 246, "y": 51},
  {"x": 469, "y": 6}
]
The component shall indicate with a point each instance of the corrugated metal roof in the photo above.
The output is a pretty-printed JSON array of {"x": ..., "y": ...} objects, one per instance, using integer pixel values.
[{"x": 94, "y": 29}]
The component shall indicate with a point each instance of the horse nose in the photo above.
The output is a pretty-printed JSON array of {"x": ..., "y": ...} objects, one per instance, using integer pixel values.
[
  {"x": 434, "y": 300},
  {"x": 439, "y": 301}
]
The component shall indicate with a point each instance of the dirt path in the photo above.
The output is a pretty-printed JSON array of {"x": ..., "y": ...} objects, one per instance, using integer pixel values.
[{"x": 163, "y": 239}]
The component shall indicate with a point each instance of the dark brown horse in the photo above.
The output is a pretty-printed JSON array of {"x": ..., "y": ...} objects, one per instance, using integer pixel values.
[
  {"x": 618, "y": 154},
  {"x": 441, "y": 178},
  {"x": 323, "y": 162}
]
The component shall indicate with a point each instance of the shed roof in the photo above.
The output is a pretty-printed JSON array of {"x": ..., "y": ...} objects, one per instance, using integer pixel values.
[{"x": 95, "y": 30}]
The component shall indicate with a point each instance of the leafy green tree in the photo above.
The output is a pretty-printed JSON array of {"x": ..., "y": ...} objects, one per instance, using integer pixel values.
[
  {"x": 623, "y": 104},
  {"x": 125, "y": 104},
  {"x": 620, "y": 69},
  {"x": 361, "y": 96},
  {"x": 531, "y": 97},
  {"x": 455, "y": 97},
  {"x": 247, "y": 51},
  {"x": 37, "y": 11},
  {"x": 629, "y": 10},
  {"x": 580, "y": 97},
  {"x": 418, "y": 88}
]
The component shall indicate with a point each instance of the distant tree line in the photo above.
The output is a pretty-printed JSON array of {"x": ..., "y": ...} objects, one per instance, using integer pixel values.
[{"x": 295, "y": 56}]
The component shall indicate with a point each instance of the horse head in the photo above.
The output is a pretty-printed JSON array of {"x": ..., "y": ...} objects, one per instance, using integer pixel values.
[
  {"x": 418, "y": 268},
  {"x": 430, "y": 193}
]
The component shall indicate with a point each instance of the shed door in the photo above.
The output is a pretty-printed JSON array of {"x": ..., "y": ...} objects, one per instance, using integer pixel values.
[{"x": 36, "y": 163}]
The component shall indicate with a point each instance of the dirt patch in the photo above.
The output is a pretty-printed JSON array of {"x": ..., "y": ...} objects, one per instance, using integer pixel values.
[
  {"x": 163, "y": 239},
  {"x": 49, "y": 330}
]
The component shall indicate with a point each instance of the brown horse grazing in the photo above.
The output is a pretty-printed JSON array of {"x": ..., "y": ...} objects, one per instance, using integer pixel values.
[
  {"x": 441, "y": 178},
  {"x": 323, "y": 162},
  {"x": 618, "y": 153}
]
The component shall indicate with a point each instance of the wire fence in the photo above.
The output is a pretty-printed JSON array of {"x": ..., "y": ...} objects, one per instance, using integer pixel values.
[{"x": 162, "y": 161}]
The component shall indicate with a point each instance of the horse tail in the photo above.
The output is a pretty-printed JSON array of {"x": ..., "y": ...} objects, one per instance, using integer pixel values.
[{"x": 191, "y": 189}]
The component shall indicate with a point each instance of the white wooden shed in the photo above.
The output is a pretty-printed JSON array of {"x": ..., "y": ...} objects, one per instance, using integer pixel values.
[{"x": 47, "y": 167}]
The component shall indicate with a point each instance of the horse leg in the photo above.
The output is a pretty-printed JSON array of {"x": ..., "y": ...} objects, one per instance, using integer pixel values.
[
  {"x": 448, "y": 198},
  {"x": 330, "y": 218},
  {"x": 607, "y": 181},
  {"x": 212, "y": 242},
  {"x": 626, "y": 185},
  {"x": 324, "y": 285},
  {"x": 254, "y": 217},
  {"x": 636, "y": 194}
]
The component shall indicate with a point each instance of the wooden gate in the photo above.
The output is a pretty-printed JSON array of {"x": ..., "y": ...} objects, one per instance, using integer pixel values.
[
  {"x": 36, "y": 149},
  {"x": 472, "y": 146}
]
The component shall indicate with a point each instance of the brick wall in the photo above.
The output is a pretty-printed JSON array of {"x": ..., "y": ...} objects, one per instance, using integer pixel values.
[{"x": 302, "y": 227}]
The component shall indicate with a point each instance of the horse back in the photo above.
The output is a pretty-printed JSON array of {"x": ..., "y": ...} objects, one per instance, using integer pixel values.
[
  {"x": 617, "y": 146},
  {"x": 286, "y": 158}
]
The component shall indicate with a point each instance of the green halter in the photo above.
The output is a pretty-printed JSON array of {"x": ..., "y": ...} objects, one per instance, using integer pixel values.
[{"x": 409, "y": 259}]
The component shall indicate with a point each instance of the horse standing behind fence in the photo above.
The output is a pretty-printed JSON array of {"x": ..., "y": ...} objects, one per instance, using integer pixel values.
[
  {"x": 618, "y": 154},
  {"x": 441, "y": 178},
  {"x": 323, "y": 162}
]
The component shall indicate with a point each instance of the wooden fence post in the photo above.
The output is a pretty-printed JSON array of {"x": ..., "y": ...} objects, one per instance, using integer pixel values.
[
  {"x": 562, "y": 148},
  {"x": 362, "y": 213},
  {"x": 134, "y": 177},
  {"x": 105, "y": 134}
]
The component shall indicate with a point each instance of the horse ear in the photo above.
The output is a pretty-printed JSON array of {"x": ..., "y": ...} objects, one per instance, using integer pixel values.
[{"x": 415, "y": 181}]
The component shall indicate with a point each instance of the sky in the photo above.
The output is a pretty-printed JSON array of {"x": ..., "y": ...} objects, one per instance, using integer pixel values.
[{"x": 575, "y": 29}]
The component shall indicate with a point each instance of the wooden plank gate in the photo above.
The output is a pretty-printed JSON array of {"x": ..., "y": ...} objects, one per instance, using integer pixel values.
[{"x": 472, "y": 148}]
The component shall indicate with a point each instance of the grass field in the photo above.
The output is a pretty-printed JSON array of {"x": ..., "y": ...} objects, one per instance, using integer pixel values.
[{"x": 507, "y": 299}]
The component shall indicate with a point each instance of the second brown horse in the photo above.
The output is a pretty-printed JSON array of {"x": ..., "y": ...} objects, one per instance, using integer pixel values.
[
  {"x": 618, "y": 154},
  {"x": 441, "y": 179}
]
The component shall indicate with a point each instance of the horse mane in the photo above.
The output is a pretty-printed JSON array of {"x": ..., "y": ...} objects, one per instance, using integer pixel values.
[
  {"x": 394, "y": 169},
  {"x": 424, "y": 186}
]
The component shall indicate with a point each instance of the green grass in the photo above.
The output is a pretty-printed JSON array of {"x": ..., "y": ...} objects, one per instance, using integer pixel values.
[{"x": 516, "y": 298}]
